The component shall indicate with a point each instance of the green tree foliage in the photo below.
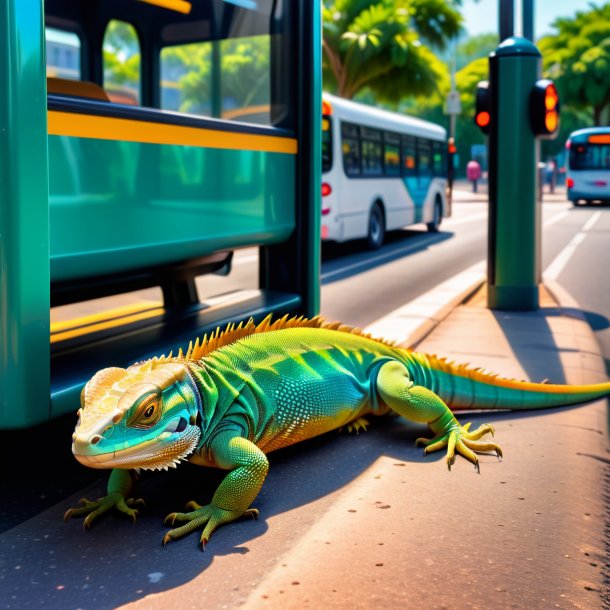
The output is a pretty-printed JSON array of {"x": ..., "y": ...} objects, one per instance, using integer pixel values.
[
  {"x": 386, "y": 46},
  {"x": 121, "y": 56},
  {"x": 577, "y": 58},
  {"x": 475, "y": 47},
  {"x": 244, "y": 69},
  {"x": 431, "y": 108}
]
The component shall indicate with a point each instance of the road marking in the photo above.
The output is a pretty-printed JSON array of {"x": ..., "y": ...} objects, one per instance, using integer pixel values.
[
  {"x": 556, "y": 218},
  {"x": 410, "y": 322},
  {"x": 375, "y": 260},
  {"x": 559, "y": 263}
]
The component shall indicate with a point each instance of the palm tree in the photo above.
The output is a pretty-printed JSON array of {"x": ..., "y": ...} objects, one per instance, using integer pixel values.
[{"x": 386, "y": 46}]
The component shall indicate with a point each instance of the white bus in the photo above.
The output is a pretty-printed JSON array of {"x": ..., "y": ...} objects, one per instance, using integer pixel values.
[
  {"x": 588, "y": 170},
  {"x": 380, "y": 171}
]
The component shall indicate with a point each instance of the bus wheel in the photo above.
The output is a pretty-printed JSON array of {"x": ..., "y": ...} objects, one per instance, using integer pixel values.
[
  {"x": 436, "y": 221},
  {"x": 376, "y": 231}
]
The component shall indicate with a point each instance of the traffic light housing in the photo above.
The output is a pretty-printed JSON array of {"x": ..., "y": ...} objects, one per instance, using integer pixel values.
[
  {"x": 544, "y": 109},
  {"x": 482, "y": 116}
]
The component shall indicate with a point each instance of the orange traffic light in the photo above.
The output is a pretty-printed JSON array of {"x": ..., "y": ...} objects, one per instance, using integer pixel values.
[
  {"x": 483, "y": 119},
  {"x": 482, "y": 116},
  {"x": 544, "y": 109}
]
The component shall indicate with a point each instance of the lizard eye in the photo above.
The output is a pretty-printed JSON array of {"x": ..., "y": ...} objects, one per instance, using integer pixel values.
[{"x": 146, "y": 411}]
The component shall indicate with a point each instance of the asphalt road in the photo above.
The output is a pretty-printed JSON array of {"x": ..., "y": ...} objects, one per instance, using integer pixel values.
[{"x": 358, "y": 288}]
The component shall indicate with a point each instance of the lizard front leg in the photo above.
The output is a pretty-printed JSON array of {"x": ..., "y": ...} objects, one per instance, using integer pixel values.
[
  {"x": 120, "y": 486},
  {"x": 419, "y": 404},
  {"x": 248, "y": 466}
]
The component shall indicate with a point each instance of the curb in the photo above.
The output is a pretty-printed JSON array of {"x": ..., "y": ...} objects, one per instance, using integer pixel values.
[{"x": 411, "y": 323}]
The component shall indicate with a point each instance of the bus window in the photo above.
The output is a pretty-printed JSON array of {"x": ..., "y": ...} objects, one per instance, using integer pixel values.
[
  {"x": 409, "y": 155},
  {"x": 245, "y": 86},
  {"x": 186, "y": 81},
  {"x": 350, "y": 149},
  {"x": 63, "y": 54},
  {"x": 589, "y": 156},
  {"x": 229, "y": 79},
  {"x": 372, "y": 160},
  {"x": 122, "y": 63},
  {"x": 438, "y": 160},
  {"x": 327, "y": 145},
  {"x": 391, "y": 154},
  {"x": 424, "y": 158}
]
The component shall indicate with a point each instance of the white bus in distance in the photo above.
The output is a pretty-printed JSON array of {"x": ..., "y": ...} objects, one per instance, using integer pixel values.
[{"x": 380, "y": 171}]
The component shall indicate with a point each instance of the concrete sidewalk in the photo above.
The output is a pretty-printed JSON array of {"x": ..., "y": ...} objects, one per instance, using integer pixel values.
[{"x": 530, "y": 532}]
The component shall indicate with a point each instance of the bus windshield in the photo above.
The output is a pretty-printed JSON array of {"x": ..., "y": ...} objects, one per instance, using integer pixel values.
[{"x": 589, "y": 156}]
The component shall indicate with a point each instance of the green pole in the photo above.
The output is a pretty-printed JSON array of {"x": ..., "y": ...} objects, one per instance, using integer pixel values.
[
  {"x": 24, "y": 217},
  {"x": 514, "y": 215}
]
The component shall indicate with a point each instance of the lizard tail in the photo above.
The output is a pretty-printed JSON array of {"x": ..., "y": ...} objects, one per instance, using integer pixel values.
[{"x": 462, "y": 387}]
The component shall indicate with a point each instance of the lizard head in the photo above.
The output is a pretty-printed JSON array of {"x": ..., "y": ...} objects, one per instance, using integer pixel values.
[{"x": 140, "y": 417}]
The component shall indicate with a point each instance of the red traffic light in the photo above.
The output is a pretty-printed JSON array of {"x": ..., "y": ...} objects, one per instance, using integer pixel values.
[
  {"x": 482, "y": 116},
  {"x": 483, "y": 119},
  {"x": 544, "y": 109}
]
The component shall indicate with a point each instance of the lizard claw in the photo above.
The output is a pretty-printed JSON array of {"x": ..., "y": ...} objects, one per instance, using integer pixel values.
[{"x": 458, "y": 439}]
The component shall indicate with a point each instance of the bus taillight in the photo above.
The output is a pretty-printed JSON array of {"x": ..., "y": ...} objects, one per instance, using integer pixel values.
[
  {"x": 326, "y": 189},
  {"x": 570, "y": 183}
]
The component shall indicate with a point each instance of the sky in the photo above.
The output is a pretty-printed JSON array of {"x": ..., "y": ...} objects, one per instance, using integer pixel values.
[{"x": 482, "y": 16}]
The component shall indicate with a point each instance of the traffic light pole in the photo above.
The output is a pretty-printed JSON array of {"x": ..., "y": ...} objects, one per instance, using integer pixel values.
[{"x": 514, "y": 216}]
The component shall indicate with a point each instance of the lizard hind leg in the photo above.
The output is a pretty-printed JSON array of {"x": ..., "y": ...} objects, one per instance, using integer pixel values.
[{"x": 419, "y": 404}]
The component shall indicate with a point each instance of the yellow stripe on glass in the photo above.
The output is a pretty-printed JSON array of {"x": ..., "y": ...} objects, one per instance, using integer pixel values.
[
  {"x": 128, "y": 130},
  {"x": 62, "y": 331}
]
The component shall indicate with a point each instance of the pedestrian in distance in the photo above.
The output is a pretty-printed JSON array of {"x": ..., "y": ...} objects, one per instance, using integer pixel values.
[{"x": 473, "y": 173}]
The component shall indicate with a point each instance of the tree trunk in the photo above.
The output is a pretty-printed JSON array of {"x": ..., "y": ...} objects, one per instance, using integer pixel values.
[{"x": 597, "y": 115}]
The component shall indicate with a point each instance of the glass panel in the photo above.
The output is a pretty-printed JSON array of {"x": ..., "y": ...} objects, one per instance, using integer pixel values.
[
  {"x": 370, "y": 134},
  {"x": 231, "y": 61},
  {"x": 590, "y": 156},
  {"x": 186, "y": 78},
  {"x": 122, "y": 63},
  {"x": 391, "y": 159},
  {"x": 327, "y": 145},
  {"x": 438, "y": 161},
  {"x": 424, "y": 158},
  {"x": 349, "y": 130},
  {"x": 409, "y": 157},
  {"x": 351, "y": 157},
  {"x": 63, "y": 54},
  {"x": 245, "y": 83},
  {"x": 371, "y": 158}
]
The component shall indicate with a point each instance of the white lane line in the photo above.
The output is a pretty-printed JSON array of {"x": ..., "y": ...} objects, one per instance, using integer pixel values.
[
  {"x": 556, "y": 218},
  {"x": 559, "y": 263},
  {"x": 589, "y": 224},
  {"x": 366, "y": 263}
]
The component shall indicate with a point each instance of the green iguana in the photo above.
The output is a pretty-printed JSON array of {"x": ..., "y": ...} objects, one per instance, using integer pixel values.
[{"x": 252, "y": 389}]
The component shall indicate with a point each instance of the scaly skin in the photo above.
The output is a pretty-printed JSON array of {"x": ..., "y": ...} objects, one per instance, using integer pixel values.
[{"x": 252, "y": 389}]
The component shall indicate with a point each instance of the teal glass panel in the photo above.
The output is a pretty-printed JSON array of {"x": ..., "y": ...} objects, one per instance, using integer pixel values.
[{"x": 116, "y": 206}]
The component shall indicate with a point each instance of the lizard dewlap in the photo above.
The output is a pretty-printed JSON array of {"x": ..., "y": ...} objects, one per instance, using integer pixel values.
[{"x": 244, "y": 392}]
